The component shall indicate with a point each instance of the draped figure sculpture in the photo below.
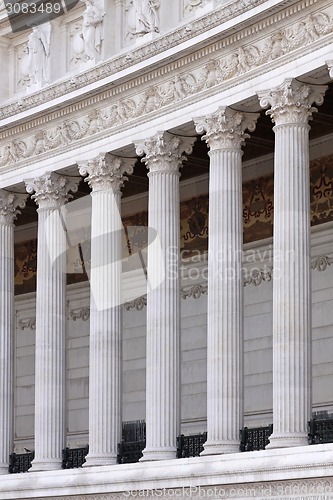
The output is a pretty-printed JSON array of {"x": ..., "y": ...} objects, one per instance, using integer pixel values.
[
  {"x": 38, "y": 51},
  {"x": 147, "y": 20},
  {"x": 92, "y": 29}
]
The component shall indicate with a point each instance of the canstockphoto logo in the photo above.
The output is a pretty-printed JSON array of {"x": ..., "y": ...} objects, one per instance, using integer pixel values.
[
  {"x": 109, "y": 261},
  {"x": 24, "y": 14}
]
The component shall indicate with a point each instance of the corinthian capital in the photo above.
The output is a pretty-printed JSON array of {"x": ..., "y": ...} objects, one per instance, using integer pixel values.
[
  {"x": 107, "y": 172},
  {"x": 164, "y": 151},
  {"x": 292, "y": 101},
  {"x": 51, "y": 189},
  {"x": 225, "y": 129},
  {"x": 9, "y": 203}
]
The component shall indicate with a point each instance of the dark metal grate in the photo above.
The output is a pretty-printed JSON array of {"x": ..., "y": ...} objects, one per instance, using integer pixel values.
[
  {"x": 133, "y": 442},
  {"x": 73, "y": 458},
  {"x": 190, "y": 446},
  {"x": 20, "y": 462},
  {"x": 255, "y": 439},
  {"x": 321, "y": 429}
]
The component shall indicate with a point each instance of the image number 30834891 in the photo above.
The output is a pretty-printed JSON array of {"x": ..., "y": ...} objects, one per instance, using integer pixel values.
[{"x": 24, "y": 14}]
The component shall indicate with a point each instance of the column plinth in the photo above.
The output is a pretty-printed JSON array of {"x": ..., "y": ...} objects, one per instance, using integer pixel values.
[
  {"x": 51, "y": 193},
  {"x": 8, "y": 211},
  {"x": 163, "y": 157},
  {"x": 290, "y": 111},
  {"x": 225, "y": 136},
  {"x": 106, "y": 175}
]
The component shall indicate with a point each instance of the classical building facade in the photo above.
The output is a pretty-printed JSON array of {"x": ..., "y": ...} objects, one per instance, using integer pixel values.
[{"x": 166, "y": 250}]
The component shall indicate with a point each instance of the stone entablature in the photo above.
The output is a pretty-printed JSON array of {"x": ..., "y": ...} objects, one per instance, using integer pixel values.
[
  {"x": 278, "y": 41},
  {"x": 105, "y": 114}
]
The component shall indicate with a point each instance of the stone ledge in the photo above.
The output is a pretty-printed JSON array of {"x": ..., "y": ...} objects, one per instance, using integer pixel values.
[{"x": 295, "y": 467}]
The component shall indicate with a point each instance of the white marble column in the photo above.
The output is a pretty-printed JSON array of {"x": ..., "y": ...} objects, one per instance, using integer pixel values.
[
  {"x": 8, "y": 211},
  {"x": 106, "y": 176},
  {"x": 290, "y": 111},
  {"x": 50, "y": 193},
  {"x": 163, "y": 157},
  {"x": 225, "y": 135}
]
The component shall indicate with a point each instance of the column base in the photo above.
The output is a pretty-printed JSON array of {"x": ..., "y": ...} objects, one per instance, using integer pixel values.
[
  {"x": 4, "y": 469},
  {"x": 220, "y": 447},
  {"x": 151, "y": 454},
  {"x": 97, "y": 460},
  {"x": 44, "y": 465},
  {"x": 287, "y": 440}
]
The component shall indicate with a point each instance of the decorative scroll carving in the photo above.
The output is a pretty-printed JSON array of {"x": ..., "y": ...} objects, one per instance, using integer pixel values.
[
  {"x": 83, "y": 314},
  {"x": 194, "y": 291},
  {"x": 321, "y": 263},
  {"x": 257, "y": 276},
  {"x": 137, "y": 304},
  {"x": 27, "y": 324}
]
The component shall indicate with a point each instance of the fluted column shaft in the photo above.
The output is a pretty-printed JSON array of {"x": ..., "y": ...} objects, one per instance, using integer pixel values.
[
  {"x": 163, "y": 158},
  {"x": 8, "y": 204},
  {"x": 105, "y": 177},
  {"x": 51, "y": 192},
  {"x": 225, "y": 136},
  {"x": 291, "y": 110}
]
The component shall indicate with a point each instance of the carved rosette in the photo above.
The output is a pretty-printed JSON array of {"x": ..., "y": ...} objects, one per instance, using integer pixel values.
[
  {"x": 164, "y": 151},
  {"x": 225, "y": 129},
  {"x": 8, "y": 206},
  {"x": 292, "y": 101},
  {"x": 51, "y": 189},
  {"x": 107, "y": 172}
]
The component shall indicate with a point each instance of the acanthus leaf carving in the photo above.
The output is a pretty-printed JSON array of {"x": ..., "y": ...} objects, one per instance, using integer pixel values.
[
  {"x": 291, "y": 102},
  {"x": 27, "y": 324},
  {"x": 164, "y": 151},
  {"x": 51, "y": 190},
  {"x": 226, "y": 127},
  {"x": 9, "y": 204},
  {"x": 107, "y": 172}
]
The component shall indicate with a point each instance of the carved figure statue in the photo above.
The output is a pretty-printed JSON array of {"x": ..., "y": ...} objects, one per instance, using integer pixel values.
[
  {"x": 92, "y": 29},
  {"x": 38, "y": 52},
  {"x": 147, "y": 20}
]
